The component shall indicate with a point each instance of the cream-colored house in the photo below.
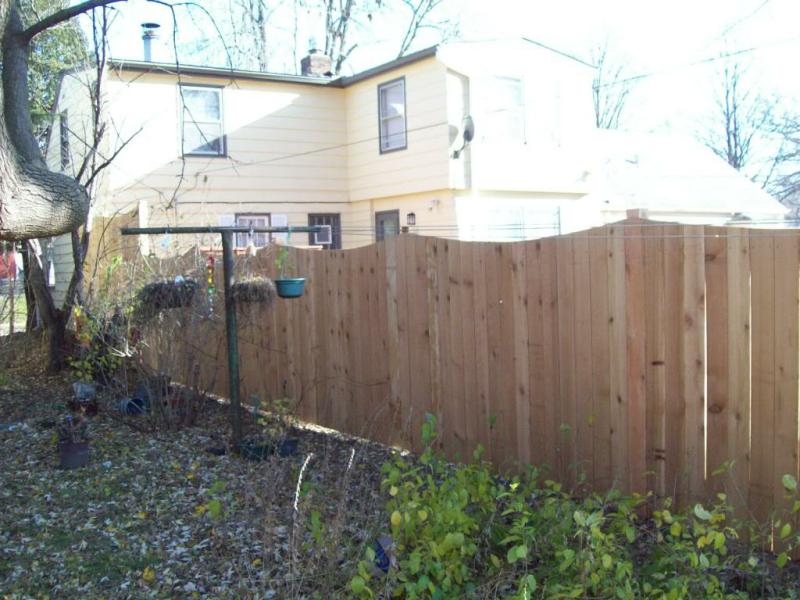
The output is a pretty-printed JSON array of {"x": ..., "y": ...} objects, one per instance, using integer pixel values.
[{"x": 367, "y": 154}]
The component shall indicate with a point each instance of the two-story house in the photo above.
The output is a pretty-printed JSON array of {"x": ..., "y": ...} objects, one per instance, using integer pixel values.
[{"x": 367, "y": 154}]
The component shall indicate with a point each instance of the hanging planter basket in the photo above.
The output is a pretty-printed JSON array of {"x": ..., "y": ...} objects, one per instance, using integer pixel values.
[
  {"x": 290, "y": 288},
  {"x": 259, "y": 290},
  {"x": 163, "y": 295}
]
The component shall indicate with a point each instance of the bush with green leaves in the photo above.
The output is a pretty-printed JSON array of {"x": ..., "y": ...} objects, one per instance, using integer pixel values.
[{"x": 460, "y": 531}]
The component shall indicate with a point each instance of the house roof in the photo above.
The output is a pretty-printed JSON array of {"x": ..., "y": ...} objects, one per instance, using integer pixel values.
[
  {"x": 338, "y": 82},
  {"x": 140, "y": 66},
  {"x": 673, "y": 174}
]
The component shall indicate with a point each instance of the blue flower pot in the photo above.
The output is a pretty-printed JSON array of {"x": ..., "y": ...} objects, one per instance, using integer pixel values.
[{"x": 290, "y": 288}]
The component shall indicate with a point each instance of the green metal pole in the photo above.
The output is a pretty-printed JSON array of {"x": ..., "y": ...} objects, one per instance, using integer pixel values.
[{"x": 233, "y": 341}]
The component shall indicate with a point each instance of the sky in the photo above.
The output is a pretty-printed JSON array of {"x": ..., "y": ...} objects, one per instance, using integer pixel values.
[{"x": 662, "y": 40}]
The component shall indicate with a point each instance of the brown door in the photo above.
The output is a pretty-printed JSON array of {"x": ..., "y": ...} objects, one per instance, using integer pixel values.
[{"x": 387, "y": 224}]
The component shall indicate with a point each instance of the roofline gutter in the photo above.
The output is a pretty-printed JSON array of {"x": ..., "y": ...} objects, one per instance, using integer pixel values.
[{"x": 234, "y": 74}]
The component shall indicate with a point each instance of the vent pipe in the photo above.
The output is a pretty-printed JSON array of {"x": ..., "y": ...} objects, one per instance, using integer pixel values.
[{"x": 149, "y": 33}]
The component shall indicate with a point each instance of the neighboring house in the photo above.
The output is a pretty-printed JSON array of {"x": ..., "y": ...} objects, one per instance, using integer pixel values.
[
  {"x": 671, "y": 178},
  {"x": 367, "y": 154}
]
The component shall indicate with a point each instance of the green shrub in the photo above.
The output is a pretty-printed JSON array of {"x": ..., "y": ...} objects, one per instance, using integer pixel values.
[{"x": 459, "y": 531}]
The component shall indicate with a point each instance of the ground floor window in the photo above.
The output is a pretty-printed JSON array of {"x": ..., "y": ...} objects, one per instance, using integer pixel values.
[
  {"x": 332, "y": 220},
  {"x": 259, "y": 240}
]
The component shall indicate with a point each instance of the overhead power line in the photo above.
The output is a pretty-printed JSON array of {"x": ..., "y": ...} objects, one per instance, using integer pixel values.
[{"x": 702, "y": 61}]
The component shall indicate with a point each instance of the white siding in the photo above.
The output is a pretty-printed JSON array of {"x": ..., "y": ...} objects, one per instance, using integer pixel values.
[
  {"x": 423, "y": 165},
  {"x": 284, "y": 145}
]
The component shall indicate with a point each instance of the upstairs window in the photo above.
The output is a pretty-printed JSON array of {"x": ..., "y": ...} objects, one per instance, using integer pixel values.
[
  {"x": 505, "y": 121},
  {"x": 392, "y": 115},
  {"x": 203, "y": 133}
]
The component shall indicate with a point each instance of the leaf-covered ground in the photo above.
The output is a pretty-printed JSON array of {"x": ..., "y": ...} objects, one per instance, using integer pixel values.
[{"x": 156, "y": 516}]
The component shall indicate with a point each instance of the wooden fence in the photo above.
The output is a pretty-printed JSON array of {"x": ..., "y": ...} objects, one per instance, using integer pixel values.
[{"x": 641, "y": 355}]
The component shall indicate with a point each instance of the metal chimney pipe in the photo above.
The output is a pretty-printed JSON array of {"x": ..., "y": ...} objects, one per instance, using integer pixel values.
[{"x": 149, "y": 33}]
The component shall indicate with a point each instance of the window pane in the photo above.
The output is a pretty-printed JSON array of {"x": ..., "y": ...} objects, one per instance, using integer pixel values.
[
  {"x": 259, "y": 239},
  {"x": 202, "y": 105},
  {"x": 394, "y": 133},
  {"x": 393, "y": 100},
  {"x": 391, "y": 108},
  {"x": 202, "y": 138}
]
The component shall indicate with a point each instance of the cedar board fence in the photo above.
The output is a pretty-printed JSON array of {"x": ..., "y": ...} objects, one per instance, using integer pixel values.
[{"x": 640, "y": 355}]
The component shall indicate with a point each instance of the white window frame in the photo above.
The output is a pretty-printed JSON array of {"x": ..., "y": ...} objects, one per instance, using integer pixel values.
[
  {"x": 383, "y": 139},
  {"x": 244, "y": 220},
  {"x": 223, "y": 140}
]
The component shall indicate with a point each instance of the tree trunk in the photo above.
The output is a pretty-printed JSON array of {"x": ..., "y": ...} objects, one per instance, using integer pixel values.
[
  {"x": 34, "y": 202},
  {"x": 54, "y": 320},
  {"x": 30, "y": 299}
]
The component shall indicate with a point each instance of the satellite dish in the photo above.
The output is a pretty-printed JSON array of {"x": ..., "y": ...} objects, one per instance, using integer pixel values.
[
  {"x": 469, "y": 129},
  {"x": 467, "y": 134}
]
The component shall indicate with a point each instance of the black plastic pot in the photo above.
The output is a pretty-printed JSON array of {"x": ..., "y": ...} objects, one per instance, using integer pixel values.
[
  {"x": 260, "y": 451},
  {"x": 288, "y": 447},
  {"x": 73, "y": 455}
]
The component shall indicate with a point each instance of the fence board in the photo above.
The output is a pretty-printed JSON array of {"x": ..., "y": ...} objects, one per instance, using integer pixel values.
[
  {"x": 618, "y": 343},
  {"x": 655, "y": 307},
  {"x": 787, "y": 304},
  {"x": 738, "y": 375},
  {"x": 601, "y": 384},
  {"x": 419, "y": 350},
  {"x": 567, "y": 447},
  {"x": 471, "y": 402},
  {"x": 635, "y": 330},
  {"x": 717, "y": 330},
  {"x": 520, "y": 356},
  {"x": 583, "y": 356},
  {"x": 676, "y": 482},
  {"x": 693, "y": 359},
  {"x": 762, "y": 256},
  {"x": 482, "y": 347}
]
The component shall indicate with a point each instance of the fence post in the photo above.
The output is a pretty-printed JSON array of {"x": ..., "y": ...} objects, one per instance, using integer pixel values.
[{"x": 232, "y": 336}]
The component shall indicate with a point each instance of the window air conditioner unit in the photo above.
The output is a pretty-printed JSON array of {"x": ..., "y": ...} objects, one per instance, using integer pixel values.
[{"x": 324, "y": 237}]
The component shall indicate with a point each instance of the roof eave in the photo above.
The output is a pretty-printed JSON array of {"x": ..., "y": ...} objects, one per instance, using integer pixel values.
[{"x": 231, "y": 74}]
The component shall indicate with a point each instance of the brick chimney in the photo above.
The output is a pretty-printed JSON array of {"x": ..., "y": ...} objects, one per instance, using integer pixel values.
[{"x": 316, "y": 63}]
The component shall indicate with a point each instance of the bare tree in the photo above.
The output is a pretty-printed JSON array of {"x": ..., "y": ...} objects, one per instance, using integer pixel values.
[
  {"x": 610, "y": 87},
  {"x": 422, "y": 18},
  {"x": 741, "y": 120},
  {"x": 785, "y": 183},
  {"x": 339, "y": 17}
]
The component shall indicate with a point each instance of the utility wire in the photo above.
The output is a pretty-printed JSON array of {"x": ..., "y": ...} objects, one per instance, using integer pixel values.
[{"x": 702, "y": 61}]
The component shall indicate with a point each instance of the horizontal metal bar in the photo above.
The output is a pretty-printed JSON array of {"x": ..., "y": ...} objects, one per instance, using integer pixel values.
[{"x": 211, "y": 229}]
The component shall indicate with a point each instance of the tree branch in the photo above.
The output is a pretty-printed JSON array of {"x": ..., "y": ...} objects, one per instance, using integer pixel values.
[{"x": 63, "y": 15}]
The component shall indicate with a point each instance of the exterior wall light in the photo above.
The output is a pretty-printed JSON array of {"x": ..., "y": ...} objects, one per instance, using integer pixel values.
[{"x": 411, "y": 219}]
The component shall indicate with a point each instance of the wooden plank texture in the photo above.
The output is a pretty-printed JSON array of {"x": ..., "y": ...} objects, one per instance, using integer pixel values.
[{"x": 640, "y": 355}]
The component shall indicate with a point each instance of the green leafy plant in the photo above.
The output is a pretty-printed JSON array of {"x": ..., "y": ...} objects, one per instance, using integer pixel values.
[
  {"x": 217, "y": 504},
  {"x": 460, "y": 531},
  {"x": 283, "y": 262},
  {"x": 94, "y": 359}
]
